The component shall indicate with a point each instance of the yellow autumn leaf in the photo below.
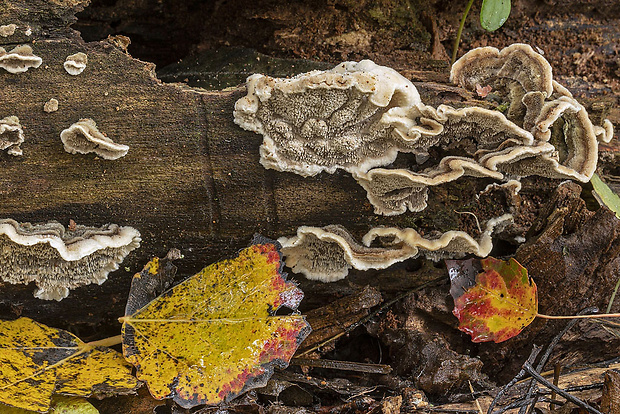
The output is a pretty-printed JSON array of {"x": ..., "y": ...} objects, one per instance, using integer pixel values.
[
  {"x": 37, "y": 361},
  {"x": 215, "y": 335}
]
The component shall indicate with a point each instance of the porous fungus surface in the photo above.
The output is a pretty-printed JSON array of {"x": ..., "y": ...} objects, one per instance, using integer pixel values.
[
  {"x": 57, "y": 259},
  {"x": 11, "y": 135},
  {"x": 358, "y": 116}
]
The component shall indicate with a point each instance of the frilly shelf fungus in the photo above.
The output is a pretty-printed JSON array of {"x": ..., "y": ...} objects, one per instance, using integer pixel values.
[
  {"x": 358, "y": 117},
  {"x": 83, "y": 137},
  {"x": 11, "y": 135},
  {"x": 58, "y": 259},
  {"x": 76, "y": 63},
  {"x": 19, "y": 60}
]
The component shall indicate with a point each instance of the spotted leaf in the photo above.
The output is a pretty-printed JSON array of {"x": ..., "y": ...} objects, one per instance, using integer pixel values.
[
  {"x": 499, "y": 302},
  {"x": 215, "y": 335},
  {"x": 37, "y": 361}
]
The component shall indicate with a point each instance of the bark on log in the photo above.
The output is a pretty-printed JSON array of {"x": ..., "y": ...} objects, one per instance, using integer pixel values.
[{"x": 191, "y": 178}]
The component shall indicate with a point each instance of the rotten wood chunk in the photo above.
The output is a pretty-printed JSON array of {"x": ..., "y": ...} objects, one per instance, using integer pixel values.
[
  {"x": 334, "y": 319},
  {"x": 610, "y": 402}
]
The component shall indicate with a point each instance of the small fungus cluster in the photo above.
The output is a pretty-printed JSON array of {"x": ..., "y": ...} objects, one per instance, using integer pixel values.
[
  {"x": 19, "y": 60},
  {"x": 83, "y": 137},
  {"x": 11, "y": 135},
  {"x": 54, "y": 258},
  {"x": 357, "y": 117},
  {"x": 59, "y": 259}
]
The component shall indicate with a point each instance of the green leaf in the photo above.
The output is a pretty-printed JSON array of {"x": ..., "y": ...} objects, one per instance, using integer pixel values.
[
  {"x": 605, "y": 196},
  {"x": 215, "y": 335},
  {"x": 500, "y": 303},
  {"x": 494, "y": 14}
]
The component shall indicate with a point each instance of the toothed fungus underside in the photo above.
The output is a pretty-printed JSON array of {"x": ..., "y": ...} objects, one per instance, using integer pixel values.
[
  {"x": 58, "y": 259},
  {"x": 358, "y": 116},
  {"x": 19, "y": 60},
  {"x": 76, "y": 63},
  {"x": 83, "y": 137},
  {"x": 11, "y": 135}
]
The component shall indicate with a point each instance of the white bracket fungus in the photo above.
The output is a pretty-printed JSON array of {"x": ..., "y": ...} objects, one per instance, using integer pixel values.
[
  {"x": 59, "y": 259},
  {"x": 7, "y": 30},
  {"x": 327, "y": 253},
  {"x": 19, "y": 60},
  {"x": 83, "y": 137},
  {"x": 51, "y": 105},
  {"x": 358, "y": 116},
  {"x": 11, "y": 135},
  {"x": 76, "y": 63}
]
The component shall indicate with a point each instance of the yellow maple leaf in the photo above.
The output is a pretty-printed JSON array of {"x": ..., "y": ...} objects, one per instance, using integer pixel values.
[
  {"x": 37, "y": 361},
  {"x": 215, "y": 335}
]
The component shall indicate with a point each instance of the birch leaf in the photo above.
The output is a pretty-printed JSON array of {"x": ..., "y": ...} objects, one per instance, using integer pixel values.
[
  {"x": 215, "y": 335},
  {"x": 37, "y": 361},
  {"x": 499, "y": 305}
]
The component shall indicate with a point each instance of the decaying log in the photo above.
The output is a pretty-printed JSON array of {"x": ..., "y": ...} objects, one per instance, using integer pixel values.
[{"x": 191, "y": 178}]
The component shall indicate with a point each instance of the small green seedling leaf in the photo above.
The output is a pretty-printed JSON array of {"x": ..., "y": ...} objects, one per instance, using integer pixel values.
[
  {"x": 37, "y": 361},
  {"x": 215, "y": 335},
  {"x": 605, "y": 196},
  {"x": 494, "y": 13},
  {"x": 501, "y": 302}
]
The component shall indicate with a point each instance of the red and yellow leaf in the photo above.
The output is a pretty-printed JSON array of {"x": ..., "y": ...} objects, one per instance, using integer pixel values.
[
  {"x": 215, "y": 335},
  {"x": 37, "y": 361},
  {"x": 500, "y": 304}
]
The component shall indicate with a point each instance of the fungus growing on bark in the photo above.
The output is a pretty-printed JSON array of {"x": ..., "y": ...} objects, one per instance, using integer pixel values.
[
  {"x": 7, "y": 30},
  {"x": 324, "y": 121},
  {"x": 19, "y": 60},
  {"x": 522, "y": 80},
  {"x": 327, "y": 253},
  {"x": 51, "y": 106},
  {"x": 83, "y": 137},
  {"x": 76, "y": 63},
  {"x": 59, "y": 259},
  {"x": 358, "y": 116},
  {"x": 11, "y": 135}
]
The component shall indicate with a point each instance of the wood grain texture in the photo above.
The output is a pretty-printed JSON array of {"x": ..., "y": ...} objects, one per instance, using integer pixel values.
[{"x": 191, "y": 179}]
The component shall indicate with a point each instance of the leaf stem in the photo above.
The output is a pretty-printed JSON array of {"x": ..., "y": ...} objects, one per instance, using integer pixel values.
[
  {"x": 111, "y": 341},
  {"x": 613, "y": 296},
  {"x": 592, "y": 316},
  {"x": 460, "y": 31}
]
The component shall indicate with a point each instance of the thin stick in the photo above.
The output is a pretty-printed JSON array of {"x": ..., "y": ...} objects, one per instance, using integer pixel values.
[
  {"x": 530, "y": 370},
  {"x": 535, "y": 350},
  {"x": 344, "y": 365},
  {"x": 460, "y": 31},
  {"x": 471, "y": 388},
  {"x": 557, "y": 369},
  {"x": 556, "y": 339}
]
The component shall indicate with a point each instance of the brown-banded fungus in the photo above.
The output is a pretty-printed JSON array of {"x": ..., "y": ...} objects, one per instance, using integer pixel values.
[
  {"x": 58, "y": 259},
  {"x": 76, "y": 63},
  {"x": 19, "y": 60},
  {"x": 11, "y": 135},
  {"x": 327, "y": 253},
  {"x": 83, "y": 137}
]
